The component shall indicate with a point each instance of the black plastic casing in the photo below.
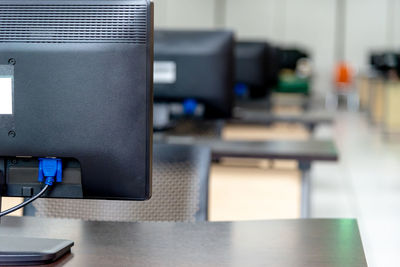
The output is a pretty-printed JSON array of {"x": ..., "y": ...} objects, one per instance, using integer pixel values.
[
  {"x": 257, "y": 66},
  {"x": 204, "y": 68},
  {"x": 85, "y": 99}
]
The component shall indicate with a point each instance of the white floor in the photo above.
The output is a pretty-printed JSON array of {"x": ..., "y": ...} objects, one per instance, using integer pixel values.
[{"x": 364, "y": 185}]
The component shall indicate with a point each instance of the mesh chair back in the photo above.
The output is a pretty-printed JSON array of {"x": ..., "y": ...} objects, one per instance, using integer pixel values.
[{"x": 180, "y": 192}]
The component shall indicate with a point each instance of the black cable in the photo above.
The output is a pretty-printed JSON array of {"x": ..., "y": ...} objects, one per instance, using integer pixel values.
[{"x": 23, "y": 204}]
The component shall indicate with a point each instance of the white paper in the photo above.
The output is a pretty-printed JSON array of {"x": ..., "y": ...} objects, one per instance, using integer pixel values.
[
  {"x": 164, "y": 72},
  {"x": 6, "y": 93}
]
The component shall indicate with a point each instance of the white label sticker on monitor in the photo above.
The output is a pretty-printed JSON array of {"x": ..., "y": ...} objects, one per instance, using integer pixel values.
[
  {"x": 164, "y": 72},
  {"x": 6, "y": 92}
]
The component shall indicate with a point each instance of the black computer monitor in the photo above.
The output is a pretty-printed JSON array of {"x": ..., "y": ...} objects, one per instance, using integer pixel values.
[
  {"x": 76, "y": 84},
  {"x": 290, "y": 56},
  {"x": 383, "y": 62},
  {"x": 78, "y": 76},
  {"x": 256, "y": 68},
  {"x": 197, "y": 66}
]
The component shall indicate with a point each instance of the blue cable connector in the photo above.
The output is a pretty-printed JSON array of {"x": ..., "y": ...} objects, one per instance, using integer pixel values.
[
  {"x": 189, "y": 106},
  {"x": 50, "y": 169},
  {"x": 241, "y": 89}
]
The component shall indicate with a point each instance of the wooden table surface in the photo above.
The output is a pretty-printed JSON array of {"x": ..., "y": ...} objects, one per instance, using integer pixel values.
[
  {"x": 265, "y": 117},
  {"x": 309, "y": 150},
  {"x": 312, "y": 242}
]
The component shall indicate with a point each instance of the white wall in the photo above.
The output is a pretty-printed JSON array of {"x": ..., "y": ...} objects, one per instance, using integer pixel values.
[
  {"x": 160, "y": 13},
  {"x": 394, "y": 24},
  {"x": 370, "y": 24},
  {"x": 366, "y": 29},
  {"x": 311, "y": 24},
  {"x": 250, "y": 21},
  {"x": 184, "y": 14}
]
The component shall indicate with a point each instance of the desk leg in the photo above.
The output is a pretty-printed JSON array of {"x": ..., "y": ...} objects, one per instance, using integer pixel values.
[
  {"x": 311, "y": 128},
  {"x": 1, "y": 188},
  {"x": 2, "y": 179},
  {"x": 220, "y": 124},
  {"x": 305, "y": 205}
]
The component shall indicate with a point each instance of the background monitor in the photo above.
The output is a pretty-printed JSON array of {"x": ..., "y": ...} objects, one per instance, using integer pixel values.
[
  {"x": 195, "y": 65},
  {"x": 384, "y": 62},
  {"x": 256, "y": 65},
  {"x": 290, "y": 56},
  {"x": 80, "y": 75}
]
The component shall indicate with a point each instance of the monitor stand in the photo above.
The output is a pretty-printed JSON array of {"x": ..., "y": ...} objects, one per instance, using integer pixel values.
[{"x": 31, "y": 251}]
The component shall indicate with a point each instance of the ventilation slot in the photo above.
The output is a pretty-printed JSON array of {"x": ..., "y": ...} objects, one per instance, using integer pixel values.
[{"x": 73, "y": 23}]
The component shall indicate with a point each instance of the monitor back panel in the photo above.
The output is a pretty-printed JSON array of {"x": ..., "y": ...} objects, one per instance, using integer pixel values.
[
  {"x": 82, "y": 89},
  {"x": 204, "y": 68},
  {"x": 256, "y": 66},
  {"x": 250, "y": 63}
]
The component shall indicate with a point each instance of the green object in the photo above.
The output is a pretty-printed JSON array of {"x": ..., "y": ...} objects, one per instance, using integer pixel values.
[{"x": 290, "y": 83}]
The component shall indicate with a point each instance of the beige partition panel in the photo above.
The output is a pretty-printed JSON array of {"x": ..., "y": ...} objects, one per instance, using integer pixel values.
[
  {"x": 392, "y": 108},
  {"x": 250, "y": 193},
  {"x": 363, "y": 91},
  {"x": 377, "y": 100},
  {"x": 288, "y": 103},
  {"x": 251, "y": 189},
  {"x": 278, "y": 131}
]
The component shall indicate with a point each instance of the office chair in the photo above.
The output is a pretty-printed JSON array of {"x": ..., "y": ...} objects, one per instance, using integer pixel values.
[
  {"x": 343, "y": 86},
  {"x": 180, "y": 192}
]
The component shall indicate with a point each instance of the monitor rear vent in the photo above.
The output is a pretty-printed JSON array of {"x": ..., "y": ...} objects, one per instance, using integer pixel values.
[{"x": 73, "y": 23}]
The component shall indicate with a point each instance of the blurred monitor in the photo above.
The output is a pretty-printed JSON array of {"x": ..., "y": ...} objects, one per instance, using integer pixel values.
[
  {"x": 383, "y": 62},
  {"x": 256, "y": 65},
  {"x": 290, "y": 56},
  {"x": 193, "y": 73}
]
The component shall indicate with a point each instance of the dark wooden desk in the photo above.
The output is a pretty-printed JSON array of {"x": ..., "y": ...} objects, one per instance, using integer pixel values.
[
  {"x": 305, "y": 152},
  {"x": 307, "y": 243},
  {"x": 276, "y": 100},
  {"x": 309, "y": 150},
  {"x": 309, "y": 119}
]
